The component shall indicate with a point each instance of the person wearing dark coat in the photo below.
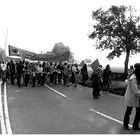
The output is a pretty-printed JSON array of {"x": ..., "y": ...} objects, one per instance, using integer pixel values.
[
  {"x": 19, "y": 70},
  {"x": 26, "y": 74},
  {"x": 106, "y": 78},
  {"x": 60, "y": 69},
  {"x": 84, "y": 73},
  {"x": 12, "y": 71},
  {"x": 96, "y": 79}
]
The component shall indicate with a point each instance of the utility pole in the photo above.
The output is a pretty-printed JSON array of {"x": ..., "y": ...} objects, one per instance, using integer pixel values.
[
  {"x": 5, "y": 44},
  {"x": 130, "y": 10}
]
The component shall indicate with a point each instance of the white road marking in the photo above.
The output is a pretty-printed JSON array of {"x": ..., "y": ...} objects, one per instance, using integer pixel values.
[
  {"x": 97, "y": 112},
  {"x": 3, "y": 128},
  {"x": 8, "y": 125},
  {"x": 56, "y": 91},
  {"x": 106, "y": 116}
]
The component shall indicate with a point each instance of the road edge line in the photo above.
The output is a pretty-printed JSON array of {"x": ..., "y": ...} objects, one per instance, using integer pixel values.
[
  {"x": 8, "y": 125},
  {"x": 3, "y": 129}
]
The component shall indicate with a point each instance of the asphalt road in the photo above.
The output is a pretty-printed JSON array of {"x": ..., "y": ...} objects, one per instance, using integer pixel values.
[{"x": 64, "y": 110}]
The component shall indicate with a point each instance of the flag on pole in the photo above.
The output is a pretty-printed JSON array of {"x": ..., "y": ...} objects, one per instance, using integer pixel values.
[
  {"x": 95, "y": 64},
  {"x": 82, "y": 63}
]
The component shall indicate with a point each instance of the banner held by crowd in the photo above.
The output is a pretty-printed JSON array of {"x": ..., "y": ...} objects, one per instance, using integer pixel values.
[{"x": 14, "y": 51}]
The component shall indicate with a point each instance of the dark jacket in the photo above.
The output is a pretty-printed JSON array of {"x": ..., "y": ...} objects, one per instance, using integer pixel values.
[
  {"x": 96, "y": 79},
  {"x": 12, "y": 67},
  {"x": 19, "y": 68}
]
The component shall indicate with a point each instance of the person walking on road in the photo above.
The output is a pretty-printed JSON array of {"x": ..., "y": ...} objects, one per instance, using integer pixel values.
[
  {"x": 75, "y": 72},
  {"x": 26, "y": 74},
  {"x": 12, "y": 71},
  {"x": 84, "y": 73},
  {"x": 51, "y": 73},
  {"x": 39, "y": 71},
  {"x": 33, "y": 74},
  {"x": 67, "y": 72},
  {"x": 19, "y": 72},
  {"x": 4, "y": 70},
  {"x": 132, "y": 99},
  {"x": 60, "y": 69},
  {"x": 106, "y": 78},
  {"x": 96, "y": 79}
]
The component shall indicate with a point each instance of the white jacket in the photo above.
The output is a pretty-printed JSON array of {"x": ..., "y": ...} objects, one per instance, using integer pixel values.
[
  {"x": 132, "y": 93},
  {"x": 3, "y": 67}
]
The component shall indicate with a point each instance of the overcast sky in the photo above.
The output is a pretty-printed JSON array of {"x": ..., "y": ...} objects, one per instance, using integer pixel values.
[{"x": 36, "y": 25}]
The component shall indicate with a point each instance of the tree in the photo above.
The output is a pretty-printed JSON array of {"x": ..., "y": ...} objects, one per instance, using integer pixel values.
[
  {"x": 117, "y": 30},
  {"x": 87, "y": 60},
  {"x": 60, "y": 47}
]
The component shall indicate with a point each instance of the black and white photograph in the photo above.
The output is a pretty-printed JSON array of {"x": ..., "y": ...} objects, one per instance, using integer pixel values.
[{"x": 70, "y": 67}]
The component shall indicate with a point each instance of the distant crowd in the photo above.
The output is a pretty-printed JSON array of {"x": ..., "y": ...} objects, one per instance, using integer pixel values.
[{"x": 23, "y": 73}]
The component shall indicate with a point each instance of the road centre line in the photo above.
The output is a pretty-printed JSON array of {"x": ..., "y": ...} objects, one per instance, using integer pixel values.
[
  {"x": 97, "y": 112},
  {"x": 106, "y": 116},
  {"x": 56, "y": 91}
]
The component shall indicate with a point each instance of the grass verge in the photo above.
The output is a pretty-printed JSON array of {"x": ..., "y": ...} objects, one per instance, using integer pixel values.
[{"x": 116, "y": 87}]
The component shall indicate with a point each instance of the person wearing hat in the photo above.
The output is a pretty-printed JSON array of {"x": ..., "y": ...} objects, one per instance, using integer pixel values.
[{"x": 132, "y": 100}]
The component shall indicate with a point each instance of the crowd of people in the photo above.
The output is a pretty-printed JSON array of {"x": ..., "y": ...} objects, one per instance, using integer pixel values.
[{"x": 24, "y": 73}]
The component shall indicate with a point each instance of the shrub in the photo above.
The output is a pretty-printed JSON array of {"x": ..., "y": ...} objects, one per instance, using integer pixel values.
[{"x": 118, "y": 87}]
